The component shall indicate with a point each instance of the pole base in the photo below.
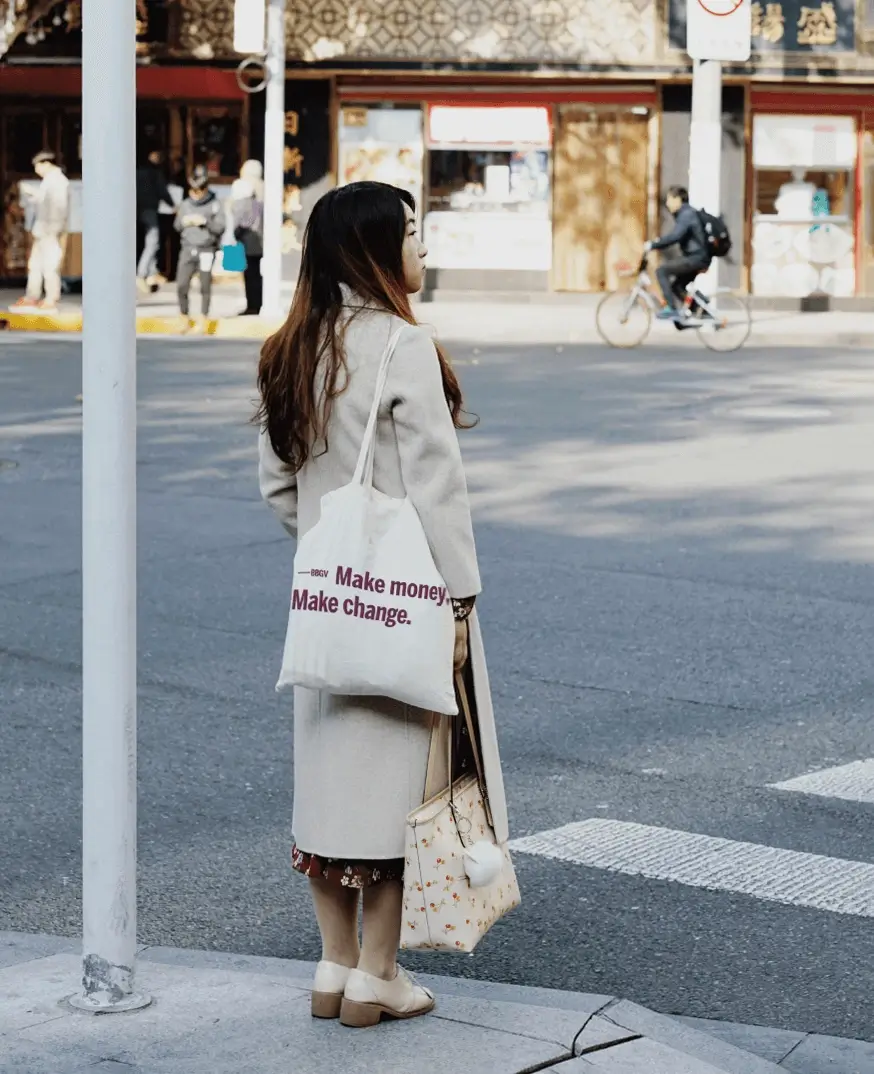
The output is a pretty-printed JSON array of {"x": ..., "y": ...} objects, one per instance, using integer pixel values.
[{"x": 101, "y": 1004}]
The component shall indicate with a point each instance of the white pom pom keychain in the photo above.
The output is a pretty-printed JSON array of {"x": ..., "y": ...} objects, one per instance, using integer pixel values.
[{"x": 483, "y": 863}]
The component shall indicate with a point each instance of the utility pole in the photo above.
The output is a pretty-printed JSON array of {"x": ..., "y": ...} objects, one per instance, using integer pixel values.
[
  {"x": 717, "y": 31},
  {"x": 109, "y": 808},
  {"x": 274, "y": 152},
  {"x": 705, "y": 145}
]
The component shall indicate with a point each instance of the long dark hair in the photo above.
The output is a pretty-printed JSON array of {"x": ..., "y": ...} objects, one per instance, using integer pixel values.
[{"x": 355, "y": 236}]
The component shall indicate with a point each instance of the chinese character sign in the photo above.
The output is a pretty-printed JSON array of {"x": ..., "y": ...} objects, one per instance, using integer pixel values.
[
  {"x": 804, "y": 26},
  {"x": 818, "y": 26},
  {"x": 797, "y": 26},
  {"x": 769, "y": 22},
  {"x": 306, "y": 161}
]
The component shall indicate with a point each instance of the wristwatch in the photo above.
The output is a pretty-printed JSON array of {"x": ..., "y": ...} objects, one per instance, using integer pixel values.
[{"x": 462, "y": 607}]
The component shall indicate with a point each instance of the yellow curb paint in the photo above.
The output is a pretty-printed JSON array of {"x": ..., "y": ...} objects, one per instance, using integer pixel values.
[
  {"x": 219, "y": 327},
  {"x": 245, "y": 328},
  {"x": 41, "y": 322}
]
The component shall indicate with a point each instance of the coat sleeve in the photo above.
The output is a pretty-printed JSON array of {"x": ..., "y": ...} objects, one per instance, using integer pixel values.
[
  {"x": 278, "y": 484},
  {"x": 676, "y": 235},
  {"x": 216, "y": 224},
  {"x": 64, "y": 207},
  {"x": 431, "y": 465},
  {"x": 164, "y": 192}
]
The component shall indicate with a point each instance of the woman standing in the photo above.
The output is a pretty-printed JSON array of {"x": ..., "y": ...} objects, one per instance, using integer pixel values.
[
  {"x": 247, "y": 214},
  {"x": 360, "y": 762}
]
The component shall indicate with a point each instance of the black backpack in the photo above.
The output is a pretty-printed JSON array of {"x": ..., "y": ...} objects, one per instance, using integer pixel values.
[{"x": 716, "y": 231}]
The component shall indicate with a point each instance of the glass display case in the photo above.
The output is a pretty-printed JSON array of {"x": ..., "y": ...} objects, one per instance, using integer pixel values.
[
  {"x": 804, "y": 205},
  {"x": 488, "y": 203}
]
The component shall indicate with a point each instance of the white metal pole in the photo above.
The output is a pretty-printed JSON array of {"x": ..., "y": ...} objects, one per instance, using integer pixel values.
[
  {"x": 274, "y": 152},
  {"x": 705, "y": 145},
  {"x": 109, "y": 915}
]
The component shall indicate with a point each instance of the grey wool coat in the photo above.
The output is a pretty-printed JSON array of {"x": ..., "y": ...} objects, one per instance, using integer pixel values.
[{"x": 360, "y": 762}]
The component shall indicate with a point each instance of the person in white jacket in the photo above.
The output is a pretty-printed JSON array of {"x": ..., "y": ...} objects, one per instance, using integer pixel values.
[{"x": 50, "y": 211}]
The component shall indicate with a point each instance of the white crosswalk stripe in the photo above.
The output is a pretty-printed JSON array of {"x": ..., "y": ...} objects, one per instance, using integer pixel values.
[
  {"x": 852, "y": 782},
  {"x": 702, "y": 861}
]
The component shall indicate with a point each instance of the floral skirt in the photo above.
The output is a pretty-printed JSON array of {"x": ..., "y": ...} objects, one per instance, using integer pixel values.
[{"x": 347, "y": 874}]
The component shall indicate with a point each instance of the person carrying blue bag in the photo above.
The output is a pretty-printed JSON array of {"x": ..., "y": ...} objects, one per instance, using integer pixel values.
[{"x": 247, "y": 218}]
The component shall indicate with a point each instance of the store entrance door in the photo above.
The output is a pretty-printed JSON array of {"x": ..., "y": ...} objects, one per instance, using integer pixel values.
[{"x": 600, "y": 196}]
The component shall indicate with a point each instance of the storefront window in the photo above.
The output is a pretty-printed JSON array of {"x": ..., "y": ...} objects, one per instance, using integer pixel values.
[
  {"x": 801, "y": 193},
  {"x": 216, "y": 141},
  {"x": 488, "y": 204},
  {"x": 25, "y": 137},
  {"x": 489, "y": 181},
  {"x": 382, "y": 144},
  {"x": 803, "y": 225},
  {"x": 71, "y": 141}
]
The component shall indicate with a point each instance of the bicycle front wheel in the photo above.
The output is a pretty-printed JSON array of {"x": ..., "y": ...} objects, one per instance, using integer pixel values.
[
  {"x": 623, "y": 319},
  {"x": 726, "y": 323}
]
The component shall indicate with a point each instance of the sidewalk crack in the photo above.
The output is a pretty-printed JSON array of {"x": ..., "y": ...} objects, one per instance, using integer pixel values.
[
  {"x": 795, "y": 1046},
  {"x": 511, "y": 1032},
  {"x": 547, "y": 1064}
]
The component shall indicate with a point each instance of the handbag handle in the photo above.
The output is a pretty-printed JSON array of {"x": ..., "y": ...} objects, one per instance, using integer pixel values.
[
  {"x": 461, "y": 691},
  {"x": 364, "y": 467}
]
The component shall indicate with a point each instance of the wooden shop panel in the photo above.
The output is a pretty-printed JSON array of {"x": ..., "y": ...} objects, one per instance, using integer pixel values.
[{"x": 599, "y": 198}]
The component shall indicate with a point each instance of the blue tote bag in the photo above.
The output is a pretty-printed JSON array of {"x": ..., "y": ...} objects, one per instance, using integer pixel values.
[{"x": 234, "y": 257}]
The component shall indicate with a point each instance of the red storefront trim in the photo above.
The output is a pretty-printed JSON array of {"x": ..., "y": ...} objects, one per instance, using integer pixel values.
[
  {"x": 155, "y": 83},
  {"x": 513, "y": 96},
  {"x": 822, "y": 100}
]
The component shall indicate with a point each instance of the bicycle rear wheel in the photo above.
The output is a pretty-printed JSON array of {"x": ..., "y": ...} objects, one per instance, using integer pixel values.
[
  {"x": 730, "y": 324},
  {"x": 623, "y": 319}
]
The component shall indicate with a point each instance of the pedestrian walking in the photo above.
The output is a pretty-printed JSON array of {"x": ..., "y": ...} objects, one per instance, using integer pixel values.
[
  {"x": 200, "y": 221},
  {"x": 151, "y": 192},
  {"x": 50, "y": 211},
  {"x": 247, "y": 216},
  {"x": 361, "y": 763}
]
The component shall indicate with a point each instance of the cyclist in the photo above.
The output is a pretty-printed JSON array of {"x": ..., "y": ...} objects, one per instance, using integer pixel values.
[{"x": 676, "y": 273}]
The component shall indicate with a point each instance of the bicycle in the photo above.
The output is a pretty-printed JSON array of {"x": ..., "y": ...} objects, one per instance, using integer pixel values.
[{"x": 724, "y": 322}]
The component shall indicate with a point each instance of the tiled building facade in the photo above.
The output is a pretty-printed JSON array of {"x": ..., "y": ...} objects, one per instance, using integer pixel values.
[{"x": 454, "y": 31}]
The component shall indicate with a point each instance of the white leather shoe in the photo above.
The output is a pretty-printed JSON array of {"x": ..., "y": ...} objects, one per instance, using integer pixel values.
[
  {"x": 368, "y": 998},
  {"x": 328, "y": 989}
]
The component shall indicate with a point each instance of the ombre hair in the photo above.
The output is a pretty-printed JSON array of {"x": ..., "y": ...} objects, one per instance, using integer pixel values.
[{"x": 355, "y": 236}]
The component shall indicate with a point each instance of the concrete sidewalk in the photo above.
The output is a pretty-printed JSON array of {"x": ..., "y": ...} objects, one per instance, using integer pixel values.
[
  {"x": 531, "y": 319},
  {"x": 215, "y": 1013}
]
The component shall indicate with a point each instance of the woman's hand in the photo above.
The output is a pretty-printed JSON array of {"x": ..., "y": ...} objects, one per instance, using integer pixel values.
[{"x": 460, "y": 655}]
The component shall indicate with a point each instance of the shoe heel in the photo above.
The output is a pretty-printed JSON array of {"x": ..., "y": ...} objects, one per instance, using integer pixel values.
[
  {"x": 359, "y": 1015},
  {"x": 326, "y": 1004}
]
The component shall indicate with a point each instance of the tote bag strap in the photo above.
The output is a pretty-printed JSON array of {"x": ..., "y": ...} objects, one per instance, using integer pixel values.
[{"x": 364, "y": 467}]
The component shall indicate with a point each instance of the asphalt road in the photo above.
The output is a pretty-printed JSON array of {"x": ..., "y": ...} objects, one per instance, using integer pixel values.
[{"x": 677, "y": 553}]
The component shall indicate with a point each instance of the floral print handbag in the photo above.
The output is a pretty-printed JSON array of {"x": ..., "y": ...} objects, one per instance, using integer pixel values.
[{"x": 442, "y": 909}]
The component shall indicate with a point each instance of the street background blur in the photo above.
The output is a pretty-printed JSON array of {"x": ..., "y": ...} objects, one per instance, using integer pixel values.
[{"x": 537, "y": 137}]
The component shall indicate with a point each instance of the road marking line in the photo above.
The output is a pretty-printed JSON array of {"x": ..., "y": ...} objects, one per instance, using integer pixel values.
[
  {"x": 853, "y": 782},
  {"x": 703, "y": 861}
]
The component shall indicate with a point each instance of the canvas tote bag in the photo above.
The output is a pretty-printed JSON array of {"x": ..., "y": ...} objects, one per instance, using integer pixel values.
[
  {"x": 370, "y": 614},
  {"x": 458, "y": 881}
]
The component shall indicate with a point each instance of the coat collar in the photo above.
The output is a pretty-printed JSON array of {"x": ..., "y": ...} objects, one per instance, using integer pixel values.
[{"x": 352, "y": 298}]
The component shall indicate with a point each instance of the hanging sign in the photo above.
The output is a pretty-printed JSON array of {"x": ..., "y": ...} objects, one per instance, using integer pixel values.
[
  {"x": 719, "y": 29},
  {"x": 249, "y": 22}
]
